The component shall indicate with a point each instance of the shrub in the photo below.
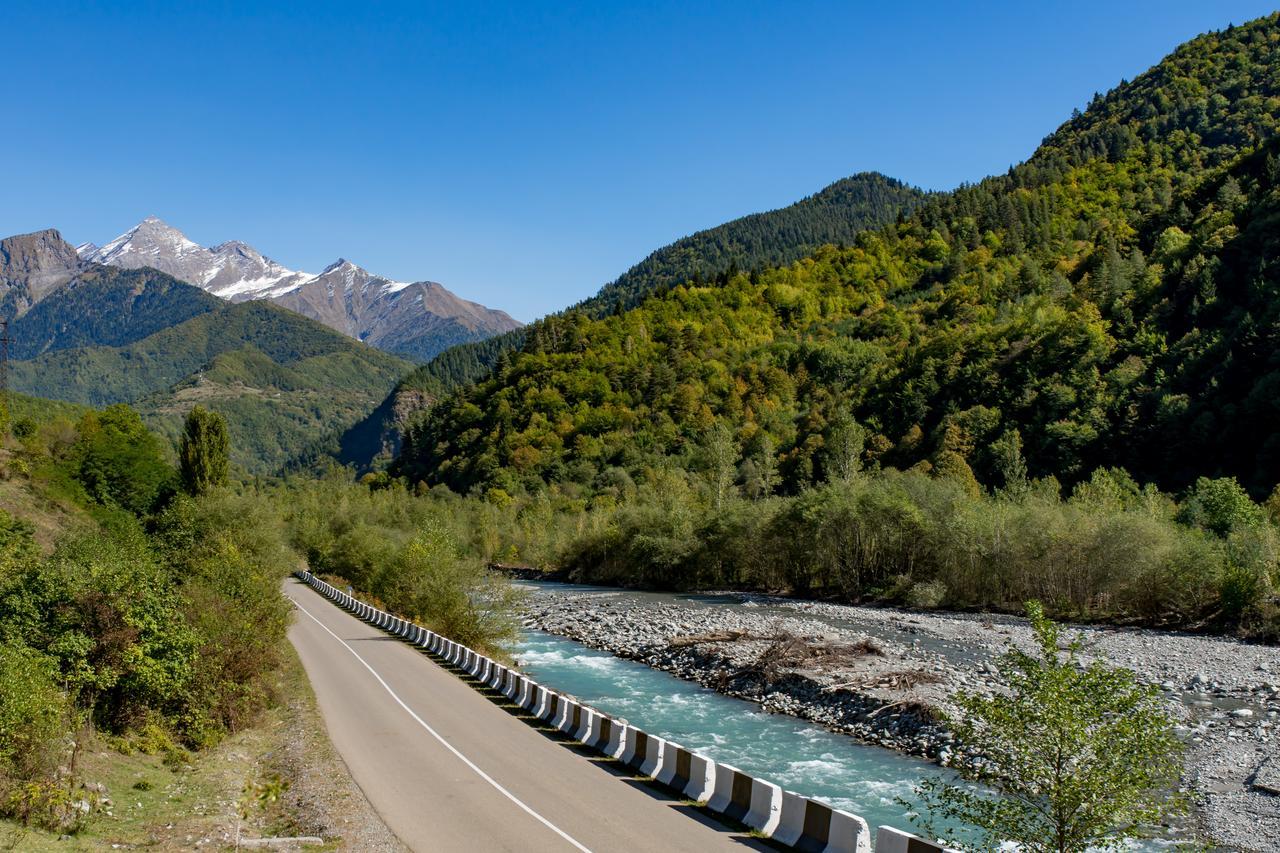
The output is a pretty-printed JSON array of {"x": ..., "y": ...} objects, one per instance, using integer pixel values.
[
  {"x": 229, "y": 554},
  {"x": 928, "y": 595},
  {"x": 1220, "y": 505},
  {"x": 1074, "y": 756},
  {"x": 120, "y": 463},
  {"x": 34, "y": 715}
]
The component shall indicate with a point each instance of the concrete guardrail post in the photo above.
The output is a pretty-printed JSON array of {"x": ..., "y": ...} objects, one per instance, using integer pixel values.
[
  {"x": 655, "y": 756},
  {"x": 702, "y": 778},
  {"x": 542, "y": 699},
  {"x": 688, "y": 773},
  {"x": 588, "y": 717},
  {"x": 619, "y": 737},
  {"x": 598, "y": 731},
  {"x": 644, "y": 752},
  {"x": 812, "y": 825},
  {"x": 563, "y": 720},
  {"x": 890, "y": 840},
  {"x": 533, "y": 698},
  {"x": 751, "y": 801},
  {"x": 550, "y": 705}
]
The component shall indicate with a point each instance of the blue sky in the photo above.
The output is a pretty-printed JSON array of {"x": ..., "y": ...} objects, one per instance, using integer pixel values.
[{"x": 524, "y": 154}]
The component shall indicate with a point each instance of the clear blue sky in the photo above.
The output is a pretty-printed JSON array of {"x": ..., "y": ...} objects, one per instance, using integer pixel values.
[{"x": 524, "y": 154}]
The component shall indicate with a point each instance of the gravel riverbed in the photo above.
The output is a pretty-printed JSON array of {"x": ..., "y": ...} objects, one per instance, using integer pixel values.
[{"x": 880, "y": 675}]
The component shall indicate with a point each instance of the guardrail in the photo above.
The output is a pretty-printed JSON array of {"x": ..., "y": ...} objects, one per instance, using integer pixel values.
[{"x": 782, "y": 816}]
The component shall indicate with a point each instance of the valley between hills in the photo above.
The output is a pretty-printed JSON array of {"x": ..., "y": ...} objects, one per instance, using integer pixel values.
[{"x": 982, "y": 483}]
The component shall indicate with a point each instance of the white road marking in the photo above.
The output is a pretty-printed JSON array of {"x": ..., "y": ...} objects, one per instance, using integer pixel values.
[{"x": 467, "y": 761}]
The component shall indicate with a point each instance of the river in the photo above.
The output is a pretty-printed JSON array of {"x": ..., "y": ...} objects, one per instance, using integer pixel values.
[
  {"x": 860, "y": 778},
  {"x": 801, "y": 757}
]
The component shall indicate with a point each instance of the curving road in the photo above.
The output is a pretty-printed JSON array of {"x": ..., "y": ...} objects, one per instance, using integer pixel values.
[{"x": 450, "y": 770}]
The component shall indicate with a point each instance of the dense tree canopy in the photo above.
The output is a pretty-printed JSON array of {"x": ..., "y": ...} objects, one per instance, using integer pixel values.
[
  {"x": 107, "y": 307},
  {"x": 834, "y": 215},
  {"x": 1113, "y": 301},
  {"x": 279, "y": 379}
]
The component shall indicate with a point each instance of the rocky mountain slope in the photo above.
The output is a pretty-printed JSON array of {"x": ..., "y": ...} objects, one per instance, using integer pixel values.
[
  {"x": 88, "y": 333},
  {"x": 31, "y": 267},
  {"x": 54, "y": 300},
  {"x": 416, "y": 320},
  {"x": 413, "y": 319},
  {"x": 232, "y": 270}
]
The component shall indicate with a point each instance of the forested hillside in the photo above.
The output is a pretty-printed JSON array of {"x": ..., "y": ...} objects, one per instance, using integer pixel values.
[
  {"x": 105, "y": 306},
  {"x": 279, "y": 378},
  {"x": 834, "y": 215},
  {"x": 1110, "y": 302}
]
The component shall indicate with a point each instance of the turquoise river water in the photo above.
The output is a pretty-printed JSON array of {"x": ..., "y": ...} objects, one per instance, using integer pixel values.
[{"x": 862, "y": 779}]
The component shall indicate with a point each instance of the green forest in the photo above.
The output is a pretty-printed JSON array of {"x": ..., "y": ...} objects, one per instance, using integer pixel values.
[
  {"x": 139, "y": 600},
  {"x": 1108, "y": 309},
  {"x": 279, "y": 378},
  {"x": 108, "y": 307},
  {"x": 834, "y": 215},
  {"x": 1057, "y": 385}
]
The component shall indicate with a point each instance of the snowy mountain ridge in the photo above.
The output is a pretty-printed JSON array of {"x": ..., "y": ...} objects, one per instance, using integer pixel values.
[{"x": 343, "y": 296}]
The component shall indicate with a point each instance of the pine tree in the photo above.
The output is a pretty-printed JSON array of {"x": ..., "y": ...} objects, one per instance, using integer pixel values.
[{"x": 204, "y": 451}]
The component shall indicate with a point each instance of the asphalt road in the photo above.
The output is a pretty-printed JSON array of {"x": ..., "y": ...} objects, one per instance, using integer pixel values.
[{"x": 447, "y": 768}]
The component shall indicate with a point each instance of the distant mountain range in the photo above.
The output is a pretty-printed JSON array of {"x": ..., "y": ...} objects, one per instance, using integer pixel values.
[
  {"x": 93, "y": 334},
  {"x": 416, "y": 320}
]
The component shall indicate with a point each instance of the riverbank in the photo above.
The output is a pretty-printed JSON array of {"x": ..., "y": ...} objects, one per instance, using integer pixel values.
[{"x": 883, "y": 676}]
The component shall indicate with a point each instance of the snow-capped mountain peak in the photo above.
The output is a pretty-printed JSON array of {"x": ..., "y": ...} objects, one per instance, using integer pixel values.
[
  {"x": 417, "y": 319},
  {"x": 232, "y": 270}
]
